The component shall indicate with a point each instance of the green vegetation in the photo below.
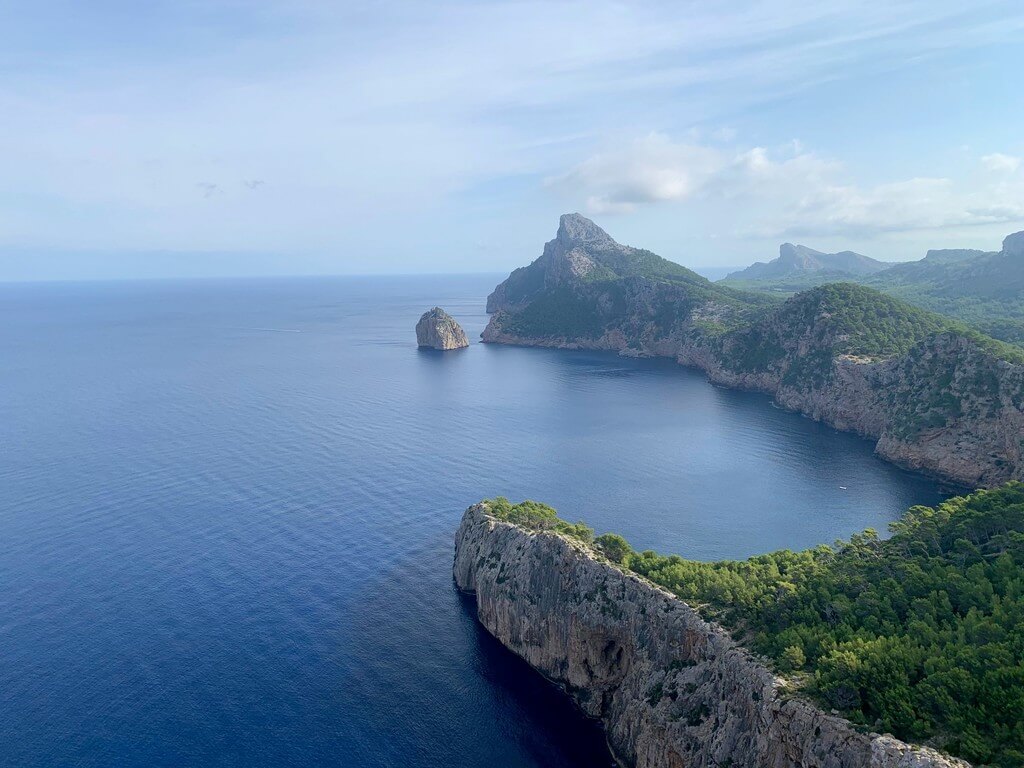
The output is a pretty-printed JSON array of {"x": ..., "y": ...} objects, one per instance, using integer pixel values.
[
  {"x": 861, "y": 321},
  {"x": 538, "y": 517},
  {"x": 627, "y": 289},
  {"x": 920, "y": 635},
  {"x": 998, "y": 318},
  {"x": 790, "y": 284},
  {"x": 809, "y": 330},
  {"x": 981, "y": 289},
  {"x": 614, "y": 547},
  {"x": 637, "y": 262},
  {"x": 559, "y": 312},
  {"x": 932, "y": 391}
]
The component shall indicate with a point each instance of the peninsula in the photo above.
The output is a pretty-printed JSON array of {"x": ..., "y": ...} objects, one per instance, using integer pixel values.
[
  {"x": 784, "y": 660},
  {"x": 934, "y": 394}
]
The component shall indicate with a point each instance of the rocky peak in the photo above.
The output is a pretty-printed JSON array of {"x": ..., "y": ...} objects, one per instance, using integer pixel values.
[
  {"x": 794, "y": 259},
  {"x": 1013, "y": 245},
  {"x": 574, "y": 229},
  {"x": 799, "y": 256},
  {"x": 439, "y": 330}
]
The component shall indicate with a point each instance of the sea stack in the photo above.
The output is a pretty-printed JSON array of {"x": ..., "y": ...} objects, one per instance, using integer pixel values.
[{"x": 438, "y": 330}]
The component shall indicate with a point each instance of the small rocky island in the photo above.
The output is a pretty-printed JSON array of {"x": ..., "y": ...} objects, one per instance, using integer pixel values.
[{"x": 438, "y": 330}]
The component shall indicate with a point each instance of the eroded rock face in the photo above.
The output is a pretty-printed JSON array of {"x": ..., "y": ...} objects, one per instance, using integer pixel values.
[
  {"x": 947, "y": 408},
  {"x": 976, "y": 440},
  {"x": 437, "y": 329},
  {"x": 574, "y": 254},
  {"x": 671, "y": 689},
  {"x": 1014, "y": 244}
]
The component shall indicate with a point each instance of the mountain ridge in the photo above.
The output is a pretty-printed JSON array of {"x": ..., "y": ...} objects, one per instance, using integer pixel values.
[
  {"x": 984, "y": 289},
  {"x": 797, "y": 259}
]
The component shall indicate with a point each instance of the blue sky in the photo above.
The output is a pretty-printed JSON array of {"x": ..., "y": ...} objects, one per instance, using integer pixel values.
[{"x": 217, "y": 137}]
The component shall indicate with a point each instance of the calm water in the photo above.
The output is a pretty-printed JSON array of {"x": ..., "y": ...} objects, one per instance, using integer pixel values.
[{"x": 227, "y": 508}]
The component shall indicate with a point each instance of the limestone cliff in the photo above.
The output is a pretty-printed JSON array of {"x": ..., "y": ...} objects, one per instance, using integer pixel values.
[
  {"x": 935, "y": 397},
  {"x": 437, "y": 329},
  {"x": 671, "y": 689}
]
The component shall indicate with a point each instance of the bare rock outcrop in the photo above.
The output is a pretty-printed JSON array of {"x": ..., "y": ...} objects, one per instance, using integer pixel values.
[
  {"x": 437, "y": 329},
  {"x": 672, "y": 689}
]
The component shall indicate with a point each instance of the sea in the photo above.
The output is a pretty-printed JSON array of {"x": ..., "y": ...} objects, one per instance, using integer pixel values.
[{"x": 227, "y": 511}]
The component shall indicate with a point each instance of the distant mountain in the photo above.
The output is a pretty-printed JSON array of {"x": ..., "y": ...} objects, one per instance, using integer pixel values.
[
  {"x": 951, "y": 255},
  {"x": 983, "y": 288},
  {"x": 962, "y": 273},
  {"x": 795, "y": 260},
  {"x": 583, "y": 251}
]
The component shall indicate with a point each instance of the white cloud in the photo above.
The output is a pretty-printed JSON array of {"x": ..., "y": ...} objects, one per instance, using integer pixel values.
[
  {"x": 648, "y": 170},
  {"x": 357, "y": 113},
  {"x": 1001, "y": 163},
  {"x": 901, "y": 206},
  {"x": 787, "y": 191}
]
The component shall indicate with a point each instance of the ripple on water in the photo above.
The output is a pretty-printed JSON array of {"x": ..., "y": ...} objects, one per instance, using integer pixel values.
[{"x": 233, "y": 547}]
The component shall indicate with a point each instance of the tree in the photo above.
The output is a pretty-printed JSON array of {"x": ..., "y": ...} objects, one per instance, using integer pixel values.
[{"x": 614, "y": 547}]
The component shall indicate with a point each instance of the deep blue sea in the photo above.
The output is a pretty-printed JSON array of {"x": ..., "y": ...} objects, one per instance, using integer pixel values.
[{"x": 227, "y": 510}]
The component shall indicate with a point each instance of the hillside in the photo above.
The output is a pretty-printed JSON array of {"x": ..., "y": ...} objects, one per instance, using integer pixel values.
[
  {"x": 589, "y": 288},
  {"x": 919, "y": 635},
  {"x": 981, "y": 288},
  {"x": 985, "y": 290},
  {"x": 935, "y": 395}
]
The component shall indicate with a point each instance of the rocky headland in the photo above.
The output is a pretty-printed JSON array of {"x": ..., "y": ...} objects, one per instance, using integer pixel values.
[
  {"x": 671, "y": 689},
  {"x": 935, "y": 396},
  {"x": 437, "y": 329}
]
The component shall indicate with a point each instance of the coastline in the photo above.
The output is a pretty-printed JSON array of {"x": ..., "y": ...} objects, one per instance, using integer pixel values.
[
  {"x": 671, "y": 688},
  {"x": 852, "y": 406}
]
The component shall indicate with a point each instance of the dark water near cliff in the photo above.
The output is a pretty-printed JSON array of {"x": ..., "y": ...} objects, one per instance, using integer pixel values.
[{"x": 226, "y": 517}]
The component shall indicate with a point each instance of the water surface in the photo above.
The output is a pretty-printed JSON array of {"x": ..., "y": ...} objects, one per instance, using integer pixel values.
[{"x": 227, "y": 508}]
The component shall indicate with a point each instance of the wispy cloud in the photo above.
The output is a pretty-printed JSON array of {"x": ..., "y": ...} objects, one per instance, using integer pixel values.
[
  {"x": 359, "y": 112},
  {"x": 787, "y": 191},
  {"x": 1001, "y": 163}
]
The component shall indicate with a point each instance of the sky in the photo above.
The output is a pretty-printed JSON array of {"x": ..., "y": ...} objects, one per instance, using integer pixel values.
[{"x": 227, "y": 137}]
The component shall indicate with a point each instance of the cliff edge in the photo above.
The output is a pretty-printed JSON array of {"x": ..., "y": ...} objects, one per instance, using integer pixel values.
[{"x": 672, "y": 689}]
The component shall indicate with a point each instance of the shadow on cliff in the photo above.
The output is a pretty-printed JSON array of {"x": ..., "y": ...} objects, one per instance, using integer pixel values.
[{"x": 523, "y": 688}]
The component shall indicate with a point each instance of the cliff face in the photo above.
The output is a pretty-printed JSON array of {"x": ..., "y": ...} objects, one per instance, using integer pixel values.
[
  {"x": 947, "y": 407},
  {"x": 935, "y": 400},
  {"x": 671, "y": 689}
]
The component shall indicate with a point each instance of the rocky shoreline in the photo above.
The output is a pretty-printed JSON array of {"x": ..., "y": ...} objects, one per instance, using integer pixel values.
[
  {"x": 981, "y": 449},
  {"x": 935, "y": 398},
  {"x": 671, "y": 689}
]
